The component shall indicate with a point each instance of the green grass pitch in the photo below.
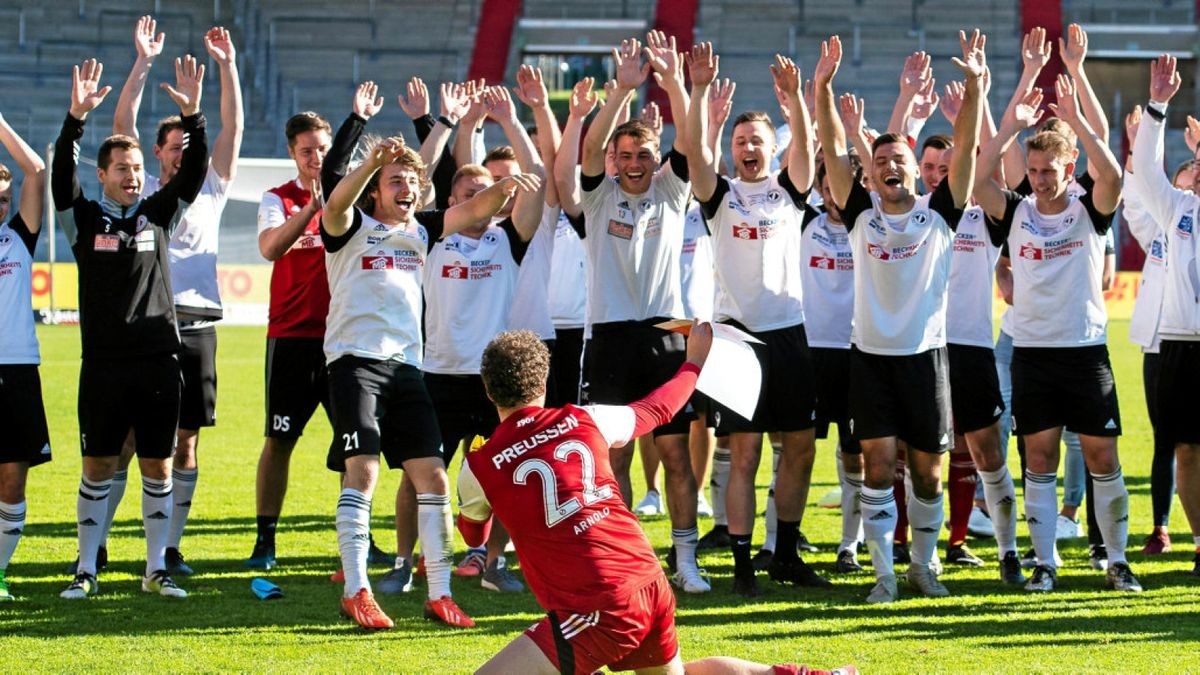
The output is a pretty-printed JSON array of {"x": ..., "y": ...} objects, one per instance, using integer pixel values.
[{"x": 982, "y": 627}]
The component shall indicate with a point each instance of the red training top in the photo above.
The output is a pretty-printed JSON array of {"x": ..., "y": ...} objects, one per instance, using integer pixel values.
[{"x": 299, "y": 286}]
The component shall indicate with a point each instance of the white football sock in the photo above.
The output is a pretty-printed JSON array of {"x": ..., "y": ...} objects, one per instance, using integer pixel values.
[
  {"x": 90, "y": 508},
  {"x": 12, "y": 524},
  {"x": 156, "y": 519},
  {"x": 1001, "y": 498},
  {"x": 879, "y": 526},
  {"x": 185, "y": 487},
  {"x": 771, "y": 518},
  {"x": 1041, "y": 513},
  {"x": 718, "y": 481},
  {"x": 354, "y": 538},
  {"x": 685, "y": 548},
  {"x": 1112, "y": 513},
  {"x": 433, "y": 529},
  {"x": 925, "y": 518},
  {"x": 115, "y": 494},
  {"x": 851, "y": 512}
]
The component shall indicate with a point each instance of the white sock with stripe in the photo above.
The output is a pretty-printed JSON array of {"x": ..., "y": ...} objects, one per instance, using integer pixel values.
[
  {"x": 185, "y": 488},
  {"x": 433, "y": 529},
  {"x": 851, "y": 511},
  {"x": 12, "y": 524},
  {"x": 353, "y": 522},
  {"x": 91, "y": 507},
  {"x": 879, "y": 526},
  {"x": 115, "y": 494},
  {"x": 1041, "y": 513},
  {"x": 1001, "y": 498},
  {"x": 772, "y": 518},
  {"x": 925, "y": 518},
  {"x": 717, "y": 482},
  {"x": 685, "y": 548},
  {"x": 156, "y": 518},
  {"x": 1112, "y": 513}
]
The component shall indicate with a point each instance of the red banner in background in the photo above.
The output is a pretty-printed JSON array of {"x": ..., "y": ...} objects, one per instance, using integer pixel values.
[
  {"x": 493, "y": 38},
  {"x": 678, "y": 18}
]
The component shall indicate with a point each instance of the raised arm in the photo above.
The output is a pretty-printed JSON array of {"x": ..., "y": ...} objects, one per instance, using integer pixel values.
[
  {"x": 527, "y": 210},
  {"x": 531, "y": 90},
  {"x": 34, "y": 179},
  {"x": 1035, "y": 54},
  {"x": 1073, "y": 49},
  {"x": 829, "y": 126},
  {"x": 228, "y": 144},
  {"x": 631, "y": 73},
  {"x": 464, "y": 141},
  {"x": 1024, "y": 115},
  {"x": 566, "y": 178},
  {"x": 148, "y": 46},
  {"x": 966, "y": 128},
  {"x": 86, "y": 95},
  {"x": 363, "y": 106},
  {"x": 1106, "y": 193},
  {"x": 702, "y": 66},
  {"x": 667, "y": 63},
  {"x": 1154, "y": 188},
  {"x": 339, "y": 208},
  {"x": 720, "y": 105},
  {"x": 487, "y": 202},
  {"x": 455, "y": 104},
  {"x": 852, "y": 109},
  {"x": 916, "y": 81},
  {"x": 189, "y": 85},
  {"x": 800, "y": 165}
]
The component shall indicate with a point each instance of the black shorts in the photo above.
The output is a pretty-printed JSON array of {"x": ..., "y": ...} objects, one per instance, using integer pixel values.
[
  {"x": 296, "y": 383},
  {"x": 831, "y": 372},
  {"x": 1179, "y": 373},
  {"x": 1070, "y": 387},
  {"x": 905, "y": 396},
  {"x": 974, "y": 388},
  {"x": 463, "y": 409},
  {"x": 627, "y": 360},
  {"x": 565, "y": 363},
  {"x": 120, "y": 395},
  {"x": 379, "y": 408},
  {"x": 787, "y": 398},
  {"x": 198, "y": 363},
  {"x": 23, "y": 416}
]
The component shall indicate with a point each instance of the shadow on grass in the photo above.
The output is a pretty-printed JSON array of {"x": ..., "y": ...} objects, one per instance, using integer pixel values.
[{"x": 207, "y": 526}]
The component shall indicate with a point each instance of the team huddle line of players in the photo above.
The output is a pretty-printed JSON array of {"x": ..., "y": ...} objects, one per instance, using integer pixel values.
[{"x": 421, "y": 296}]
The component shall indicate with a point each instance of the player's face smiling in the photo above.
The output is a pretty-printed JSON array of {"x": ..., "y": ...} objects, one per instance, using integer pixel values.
[
  {"x": 169, "y": 155},
  {"x": 934, "y": 167},
  {"x": 753, "y": 146},
  {"x": 1048, "y": 175},
  {"x": 398, "y": 193},
  {"x": 123, "y": 179},
  {"x": 636, "y": 163},
  {"x": 893, "y": 172},
  {"x": 308, "y": 151}
]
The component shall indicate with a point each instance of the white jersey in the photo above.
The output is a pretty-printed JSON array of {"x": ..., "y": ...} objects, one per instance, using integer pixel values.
[
  {"x": 375, "y": 273},
  {"x": 972, "y": 266},
  {"x": 18, "y": 338},
  {"x": 568, "y": 277},
  {"x": 756, "y": 250},
  {"x": 901, "y": 271},
  {"x": 469, "y": 286},
  {"x": 1057, "y": 265},
  {"x": 532, "y": 313},
  {"x": 633, "y": 244},
  {"x": 1177, "y": 213},
  {"x": 1147, "y": 306},
  {"x": 193, "y": 248},
  {"x": 696, "y": 267},
  {"x": 827, "y": 272}
]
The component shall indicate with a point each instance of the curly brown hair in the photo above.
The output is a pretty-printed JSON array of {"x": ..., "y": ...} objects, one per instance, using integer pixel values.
[{"x": 515, "y": 367}]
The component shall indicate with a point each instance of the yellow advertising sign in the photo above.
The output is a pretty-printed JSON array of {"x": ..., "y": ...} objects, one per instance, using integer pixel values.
[{"x": 239, "y": 284}]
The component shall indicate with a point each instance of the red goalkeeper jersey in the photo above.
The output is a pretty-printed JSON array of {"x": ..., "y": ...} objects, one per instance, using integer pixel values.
[{"x": 545, "y": 473}]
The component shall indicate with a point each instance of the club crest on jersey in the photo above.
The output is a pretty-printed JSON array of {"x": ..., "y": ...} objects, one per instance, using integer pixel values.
[
  {"x": 645, "y": 205},
  {"x": 5, "y": 239},
  {"x": 490, "y": 238},
  {"x": 454, "y": 272},
  {"x": 1185, "y": 226},
  {"x": 973, "y": 214},
  {"x": 920, "y": 217},
  {"x": 142, "y": 223},
  {"x": 774, "y": 196},
  {"x": 1069, "y": 220},
  {"x": 618, "y": 229}
]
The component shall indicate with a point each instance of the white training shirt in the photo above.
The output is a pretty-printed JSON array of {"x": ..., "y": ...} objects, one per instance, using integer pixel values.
[
  {"x": 271, "y": 215},
  {"x": 633, "y": 244},
  {"x": 18, "y": 337},
  {"x": 827, "y": 274},
  {"x": 972, "y": 267},
  {"x": 1177, "y": 213},
  {"x": 531, "y": 310},
  {"x": 469, "y": 286},
  {"x": 1147, "y": 306},
  {"x": 375, "y": 274},
  {"x": 696, "y": 267},
  {"x": 193, "y": 247},
  {"x": 901, "y": 270},
  {"x": 1057, "y": 265},
  {"x": 568, "y": 277},
  {"x": 756, "y": 251}
]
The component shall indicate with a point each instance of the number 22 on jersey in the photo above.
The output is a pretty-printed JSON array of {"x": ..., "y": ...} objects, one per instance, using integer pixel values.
[{"x": 557, "y": 512}]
